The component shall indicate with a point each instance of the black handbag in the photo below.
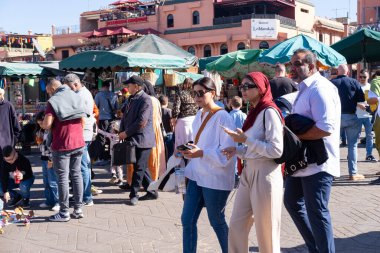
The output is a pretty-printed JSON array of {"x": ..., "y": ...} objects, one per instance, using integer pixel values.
[
  {"x": 293, "y": 152},
  {"x": 124, "y": 153}
]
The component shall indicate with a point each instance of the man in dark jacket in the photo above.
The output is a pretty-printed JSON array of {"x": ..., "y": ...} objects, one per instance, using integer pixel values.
[
  {"x": 350, "y": 94},
  {"x": 137, "y": 126},
  {"x": 10, "y": 128},
  {"x": 281, "y": 85}
]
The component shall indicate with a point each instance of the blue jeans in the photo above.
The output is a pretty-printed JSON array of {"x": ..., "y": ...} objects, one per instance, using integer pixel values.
[
  {"x": 351, "y": 125},
  {"x": 169, "y": 144},
  {"x": 366, "y": 122},
  {"x": 195, "y": 199},
  {"x": 85, "y": 168},
  {"x": 24, "y": 187},
  {"x": 50, "y": 184},
  {"x": 306, "y": 199}
]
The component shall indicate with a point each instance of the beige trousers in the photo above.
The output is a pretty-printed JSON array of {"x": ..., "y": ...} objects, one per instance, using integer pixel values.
[{"x": 258, "y": 199}]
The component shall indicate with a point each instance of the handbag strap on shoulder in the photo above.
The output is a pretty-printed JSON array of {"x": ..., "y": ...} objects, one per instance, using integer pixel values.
[{"x": 209, "y": 115}]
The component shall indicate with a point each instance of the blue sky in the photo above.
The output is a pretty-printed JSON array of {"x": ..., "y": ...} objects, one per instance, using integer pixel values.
[{"x": 19, "y": 16}]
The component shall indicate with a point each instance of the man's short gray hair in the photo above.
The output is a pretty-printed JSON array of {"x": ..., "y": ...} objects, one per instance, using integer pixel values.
[
  {"x": 71, "y": 78},
  {"x": 310, "y": 57}
]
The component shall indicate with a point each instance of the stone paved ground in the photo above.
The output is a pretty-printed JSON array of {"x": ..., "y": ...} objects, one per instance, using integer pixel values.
[{"x": 154, "y": 226}]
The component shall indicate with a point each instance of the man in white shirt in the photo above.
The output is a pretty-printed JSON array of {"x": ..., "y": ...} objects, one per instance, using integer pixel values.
[
  {"x": 307, "y": 192},
  {"x": 365, "y": 117}
]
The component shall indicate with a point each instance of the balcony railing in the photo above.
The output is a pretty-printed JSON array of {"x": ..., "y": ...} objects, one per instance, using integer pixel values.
[
  {"x": 238, "y": 19},
  {"x": 373, "y": 26}
]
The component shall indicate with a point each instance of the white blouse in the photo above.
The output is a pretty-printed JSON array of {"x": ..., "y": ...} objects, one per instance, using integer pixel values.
[
  {"x": 213, "y": 170},
  {"x": 260, "y": 143}
]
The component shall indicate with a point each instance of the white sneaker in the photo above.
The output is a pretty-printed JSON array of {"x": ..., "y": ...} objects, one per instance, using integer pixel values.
[
  {"x": 56, "y": 207},
  {"x": 90, "y": 203},
  {"x": 77, "y": 214},
  {"x": 44, "y": 205},
  {"x": 58, "y": 217}
]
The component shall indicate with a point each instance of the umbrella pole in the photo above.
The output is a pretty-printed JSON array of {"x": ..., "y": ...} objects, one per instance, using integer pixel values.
[
  {"x": 23, "y": 96},
  {"x": 363, "y": 53}
]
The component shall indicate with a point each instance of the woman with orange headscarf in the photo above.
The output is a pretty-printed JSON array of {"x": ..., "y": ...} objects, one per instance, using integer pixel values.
[{"x": 259, "y": 195}]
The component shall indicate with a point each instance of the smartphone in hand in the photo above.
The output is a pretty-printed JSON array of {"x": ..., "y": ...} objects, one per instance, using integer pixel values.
[{"x": 184, "y": 147}]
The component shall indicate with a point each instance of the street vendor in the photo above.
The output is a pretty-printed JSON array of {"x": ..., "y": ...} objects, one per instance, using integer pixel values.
[{"x": 16, "y": 173}]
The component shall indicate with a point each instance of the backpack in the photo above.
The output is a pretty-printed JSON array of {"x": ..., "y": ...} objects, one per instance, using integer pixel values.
[{"x": 293, "y": 152}]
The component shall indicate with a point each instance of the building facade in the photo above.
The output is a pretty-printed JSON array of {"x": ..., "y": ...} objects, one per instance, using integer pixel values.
[
  {"x": 203, "y": 27},
  {"x": 28, "y": 48}
]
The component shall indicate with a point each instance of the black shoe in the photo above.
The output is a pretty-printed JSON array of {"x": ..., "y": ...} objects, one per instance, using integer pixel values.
[
  {"x": 370, "y": 158},
  {"x": 149, "y": 196},
  {"x": 125, "y": 187},
  {"x": 24, "y": 203},
  {"x": 14, "y": 201},
  {"x": 133, "y": 201}
]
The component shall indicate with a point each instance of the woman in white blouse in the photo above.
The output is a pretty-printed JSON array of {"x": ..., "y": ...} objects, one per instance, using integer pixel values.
[
  {"x": 210, "y": 173},
  {"x": 259, "y": 195}
]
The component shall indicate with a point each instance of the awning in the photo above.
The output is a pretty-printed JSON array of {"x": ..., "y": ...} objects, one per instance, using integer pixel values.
[
  {"x": 283, "y": 51},
  {"x": 362, "y": 45},
  {"x": 110, "y": 59},
  {"x": 22, "y": 69},
  {"x": 147, "y": 31},
  {"x": 156, "y": 45},
  {"x": 108, "y": 31},
  {"x": 120, "y": 2}
]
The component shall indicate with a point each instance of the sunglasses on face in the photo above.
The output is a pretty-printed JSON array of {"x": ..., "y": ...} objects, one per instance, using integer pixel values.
[
  {"x": 297, "y": 64},
  {"x": 199, "y": 93},
  {"x": 247, "y": 86},
  {"x": 362, "y": 76}
]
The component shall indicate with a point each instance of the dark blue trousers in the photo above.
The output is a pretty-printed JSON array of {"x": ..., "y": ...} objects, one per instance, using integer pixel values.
[{"x": 306, "y": 199}]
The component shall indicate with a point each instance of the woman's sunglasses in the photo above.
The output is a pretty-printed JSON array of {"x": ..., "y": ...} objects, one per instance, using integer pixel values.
[
  {"x": 247, "y": 86},
  {"x": 199, "y": 94}
]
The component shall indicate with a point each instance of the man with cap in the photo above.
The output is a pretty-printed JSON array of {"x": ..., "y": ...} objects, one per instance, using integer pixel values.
[
  {"x": 137, "y": 126},
  {"x": 106, "y": 101}
]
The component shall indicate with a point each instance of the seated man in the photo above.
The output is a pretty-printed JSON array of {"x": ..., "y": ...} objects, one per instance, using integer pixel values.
[{"x": 16, "y": 172}]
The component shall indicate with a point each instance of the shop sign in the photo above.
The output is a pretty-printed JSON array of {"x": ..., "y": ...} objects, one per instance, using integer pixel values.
[
  {"x": 126, "y": 21},
  {"x": 264, "y": 29}
]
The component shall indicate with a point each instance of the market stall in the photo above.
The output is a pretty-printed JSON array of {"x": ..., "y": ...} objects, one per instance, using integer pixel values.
[
  {"x": 232, "y": 67},
  {"x": 153, "y": 44},
  {"x": 25, "y": 85},
  {"x": 283, "y": 51},
  {"x": 361, "y": 46}
]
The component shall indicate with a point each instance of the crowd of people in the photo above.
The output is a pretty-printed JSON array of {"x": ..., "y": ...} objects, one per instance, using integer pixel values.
[{"x": 218, "y": 148}]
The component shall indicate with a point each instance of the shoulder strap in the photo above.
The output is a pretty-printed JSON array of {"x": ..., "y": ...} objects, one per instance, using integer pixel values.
[
  {"x": 266, "y": 110},
  {"x": 211, "y": 113}
]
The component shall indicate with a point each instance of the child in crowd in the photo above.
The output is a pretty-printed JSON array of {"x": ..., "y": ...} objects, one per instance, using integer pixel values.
[
  {"x": 16, "y": 172},
  {"x": 238, "y": 117},
  {"x": 48, "y": 174},
  {"x": 116, "y": 171}
]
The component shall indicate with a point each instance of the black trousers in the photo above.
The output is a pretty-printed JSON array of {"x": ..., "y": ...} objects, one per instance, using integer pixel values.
[
  {"x": 104, "y": 125},
  {"x": 141, "y": 174}
]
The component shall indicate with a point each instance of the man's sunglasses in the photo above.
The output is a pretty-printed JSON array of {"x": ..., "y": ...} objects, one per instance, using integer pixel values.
[
  {"x": 362, "y": 76},
  {"x": 247, "y": 86},
  {"x": 199, "y": 94}
]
